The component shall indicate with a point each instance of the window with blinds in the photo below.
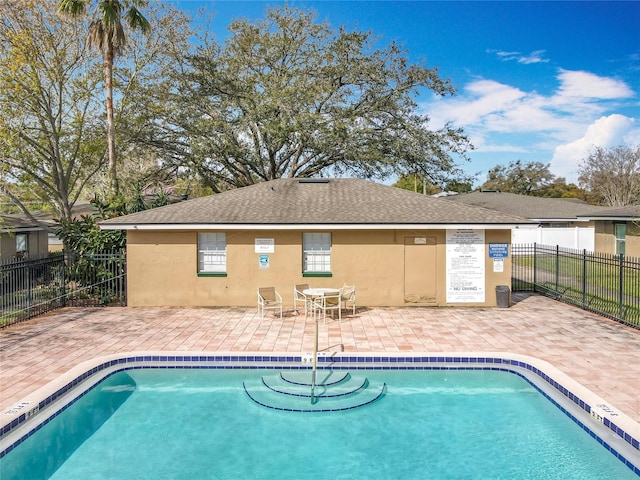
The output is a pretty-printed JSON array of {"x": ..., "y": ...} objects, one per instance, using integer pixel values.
[
  {"x": 212, "y": 252},
  {"x": 316, "y": 249}
]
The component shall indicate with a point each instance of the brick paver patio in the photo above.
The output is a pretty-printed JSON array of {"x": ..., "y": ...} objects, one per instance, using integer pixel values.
[{"x": 602, "y": 355}]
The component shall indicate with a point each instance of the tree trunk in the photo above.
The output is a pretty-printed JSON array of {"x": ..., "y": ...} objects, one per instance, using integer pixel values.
[{"x": 114, "y": 188}]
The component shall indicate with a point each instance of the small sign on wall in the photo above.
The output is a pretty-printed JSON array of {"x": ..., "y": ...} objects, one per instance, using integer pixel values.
[
  {"x": 265, "y": 245},
  {"x": 498, "y": 250},
  {"x": 498, "y": 265},
  {"x": 263, "y": 261}
]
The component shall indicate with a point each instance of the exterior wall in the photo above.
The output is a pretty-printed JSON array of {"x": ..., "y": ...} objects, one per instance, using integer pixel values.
[
  {"x": 162, "y": 268},
  {"x": 606, "y": 238},
  {"x": 633, "y": 240},
  {"x": 38, "y": 244},
  {"x": 7, "y": 246}
]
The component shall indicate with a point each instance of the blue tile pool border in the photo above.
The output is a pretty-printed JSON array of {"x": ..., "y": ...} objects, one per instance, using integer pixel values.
[{"x": 334, "y": 361}]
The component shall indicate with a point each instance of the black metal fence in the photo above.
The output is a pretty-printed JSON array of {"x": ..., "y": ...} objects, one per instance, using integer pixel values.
[
  {"x": 602, "y": 283},
  {"x": 35, "y": 286}
]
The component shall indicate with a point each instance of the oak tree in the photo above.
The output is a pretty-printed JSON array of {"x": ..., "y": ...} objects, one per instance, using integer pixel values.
[
  {"x": 49, "y": 145},
  {"x": 613, "y": 174},
  {"x": 286, "y": 96},
  {"x": 518, "y": 177}
]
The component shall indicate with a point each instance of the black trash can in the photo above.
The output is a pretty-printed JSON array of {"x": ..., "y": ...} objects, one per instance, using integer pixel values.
[{"x": 503, "y": 296}]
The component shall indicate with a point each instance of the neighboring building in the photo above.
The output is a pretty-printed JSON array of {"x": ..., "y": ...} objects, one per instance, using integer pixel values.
[
  {"x": 562, "y": 221},
  {"x": 397, "y": 247},
  {"x": 21, "y": 237},
  {"x": 617, "y": 230}
]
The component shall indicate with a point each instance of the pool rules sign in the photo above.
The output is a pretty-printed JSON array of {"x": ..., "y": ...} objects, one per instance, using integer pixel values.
[{"x": 465, "y": 265}]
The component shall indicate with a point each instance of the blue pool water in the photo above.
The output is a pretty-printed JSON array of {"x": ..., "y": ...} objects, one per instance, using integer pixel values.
[{"x": 202, "y": 424}]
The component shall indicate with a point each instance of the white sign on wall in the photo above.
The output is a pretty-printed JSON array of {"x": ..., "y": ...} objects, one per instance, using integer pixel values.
[
  {"x": 265, "y": 245},
  {"x": 498, "y": 265},
  {"x": 465, "y": 266}
]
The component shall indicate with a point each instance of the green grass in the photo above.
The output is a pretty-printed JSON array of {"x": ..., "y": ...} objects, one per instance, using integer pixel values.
[
  {"x": 601, "y": 283},
  {"x": 603, "y": 276}
]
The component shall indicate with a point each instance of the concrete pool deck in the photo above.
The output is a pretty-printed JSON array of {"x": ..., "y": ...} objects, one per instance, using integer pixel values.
[{"x": 600, "y": 354}]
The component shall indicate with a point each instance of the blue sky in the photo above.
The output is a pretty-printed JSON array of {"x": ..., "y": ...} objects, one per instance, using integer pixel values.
[{"x": 537, "y": 81}]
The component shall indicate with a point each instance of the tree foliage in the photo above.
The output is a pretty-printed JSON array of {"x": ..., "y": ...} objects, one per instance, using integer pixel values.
[
  {"x": 106, "y": 33},
  {"x": 421, "y": 184},
  {"x": 49, "y": 140},
  {"x": 533, "y": 178},
  {"x": 52, "y": 142},
  {"x": 417, "y": 184},
  {"x": 518, "y": 177},
  {"x": 283, "y": 97},
  {"x": 289, "y": 97},
  {"x": 613, "y": 175},
  {"x": 149, "y": 152}
]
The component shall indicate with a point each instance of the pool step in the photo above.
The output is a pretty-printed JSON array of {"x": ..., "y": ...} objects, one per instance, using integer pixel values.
[{"x": 334, "y": 391}]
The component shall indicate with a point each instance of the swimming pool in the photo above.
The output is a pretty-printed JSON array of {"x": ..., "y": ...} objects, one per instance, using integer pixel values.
[{"x": 438, "y": 417}]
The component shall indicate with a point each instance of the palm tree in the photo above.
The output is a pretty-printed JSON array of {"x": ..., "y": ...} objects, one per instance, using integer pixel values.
[{"x": 107, "y": 34}]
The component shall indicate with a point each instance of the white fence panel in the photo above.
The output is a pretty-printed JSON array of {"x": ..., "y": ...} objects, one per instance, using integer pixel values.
[{"x": 578, "y": 238}]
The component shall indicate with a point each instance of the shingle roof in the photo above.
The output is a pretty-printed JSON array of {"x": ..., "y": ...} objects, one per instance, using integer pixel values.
[
  {"x": 342, "y": 201},
  {"x": 10, "y": 223},
  {"x": 20, "y": 222},
  {"x": 534, "y": 208},
  {"x": 630, "y": 212}
]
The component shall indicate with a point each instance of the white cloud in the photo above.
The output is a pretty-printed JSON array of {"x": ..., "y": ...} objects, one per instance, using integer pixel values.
[
  {"x": 609, "y": 131},
  {"x": 537, "y": 123},
  {"x": 495, "y": 107},
  {"x": 534, "y": 57},
  {"x": 481, "y": 98},
  {"x": 486, "y": 148},
  {"x": 537, "y": 56},
  {"x": 584, "y": 85},
  {"x": 507, "y": 123}
]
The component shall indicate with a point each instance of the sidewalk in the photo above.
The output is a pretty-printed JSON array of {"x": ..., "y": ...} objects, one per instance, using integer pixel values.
[{"x": 602, "y": 355}]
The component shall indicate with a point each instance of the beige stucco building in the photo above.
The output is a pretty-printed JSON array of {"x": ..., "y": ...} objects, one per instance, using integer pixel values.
[
  {"x": 566, "y": 222},
  {"x": 397, "y": 247},
  {"x": 618, "y": 230},
  {"x": 21, "y": 238}
]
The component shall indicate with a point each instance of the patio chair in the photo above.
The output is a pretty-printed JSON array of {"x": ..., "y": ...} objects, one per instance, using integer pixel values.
[
  {"x": 298, "y": 297},
  {"x": 348, "y": 296},
  {"x": 329, "y": 301},
  {"x": 268, "y": 299}
]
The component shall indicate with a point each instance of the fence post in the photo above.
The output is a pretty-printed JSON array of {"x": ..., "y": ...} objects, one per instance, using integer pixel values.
[
  {"x": 584, "y": 278},
  {"x": 121, "y": 277},
  {"x": 621, "y": 288},
  {"x": 28, "y": 271},
  {"x": 63, "y": 278},
  {"x": 535, "y": 267},
  {"x": 557, "y": 271}
]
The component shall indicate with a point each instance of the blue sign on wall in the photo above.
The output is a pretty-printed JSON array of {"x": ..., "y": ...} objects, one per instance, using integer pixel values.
[{"x": 498, "y": 250}]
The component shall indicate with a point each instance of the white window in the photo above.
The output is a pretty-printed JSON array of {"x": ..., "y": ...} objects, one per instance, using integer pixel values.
[
  {"x": 22, "y": 244},
  {"x": 316, "y": 249},
  {"x": 212, "y": 252},
  {"x": 621, "y": 237}
]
